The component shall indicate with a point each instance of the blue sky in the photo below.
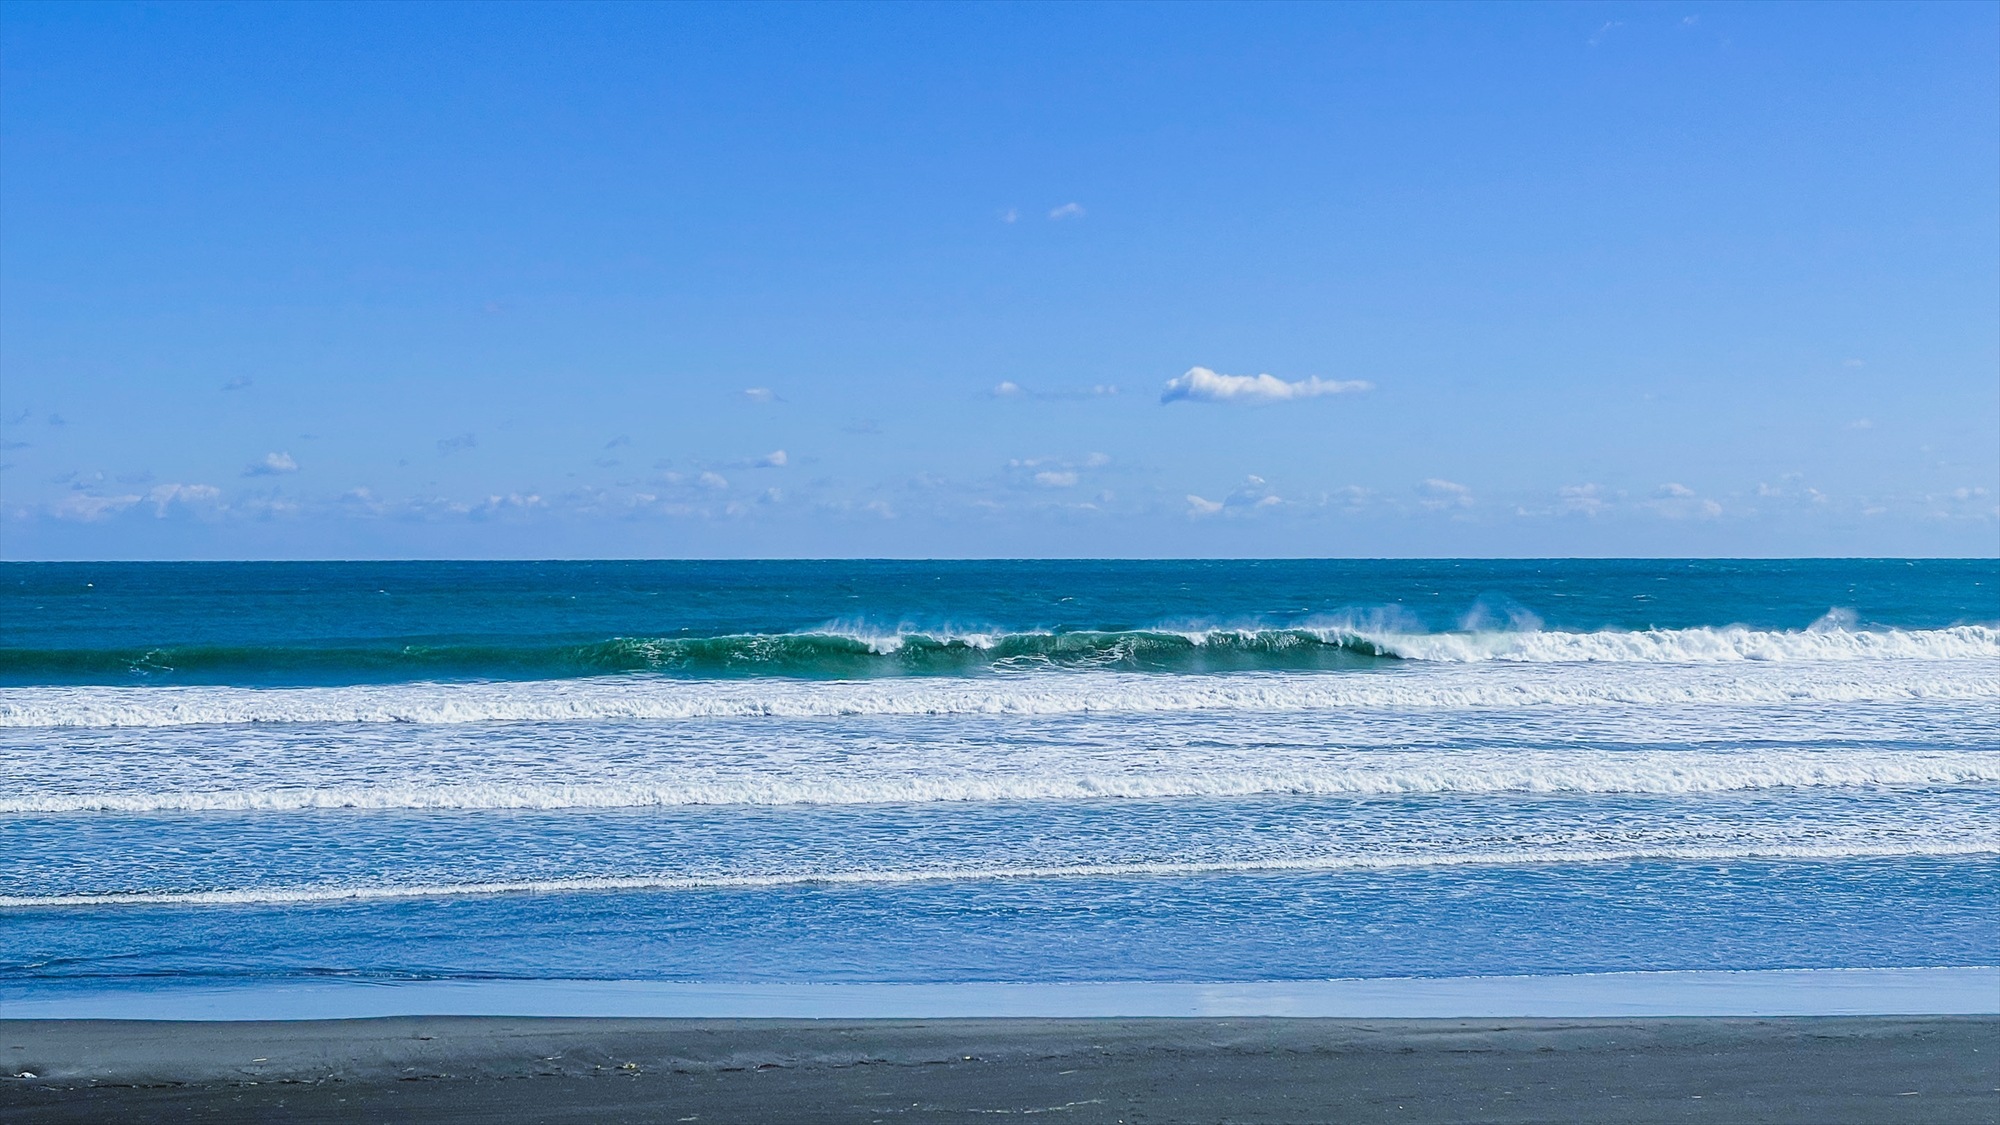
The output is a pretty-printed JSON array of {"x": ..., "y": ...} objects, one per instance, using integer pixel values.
[{"x": 401, "y": 281}]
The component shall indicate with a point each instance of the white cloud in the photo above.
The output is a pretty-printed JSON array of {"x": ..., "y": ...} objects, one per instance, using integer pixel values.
[
  {"x": 1096, "y": 461},
  {"x": 1441, "y": 494},
  {"x": 514, "y": 501},
  {"x": 761, "y": 394},
  {"x": 773, "y": 460},
  {"x": 1055, "y": 480},
  {"x": 1199, "y": 507},
  {"x": 1202, "y": 385},
  {"x": 1067, "y": 211},
  {"x": 272, "y": 464},
  {"x": 1676, "y": 490},
  {"x": 1011, "y": 389},
  {"x": 87, "y": 509},
  {"x": 713, "y": 480},
  {"x": 1861, "y": 424},
  {"x": 167, "y": 494},
  {"x": 1009, "y": 214},
  {"x": 1585, "y": 498},
  {"x": 454, "y": 444}
]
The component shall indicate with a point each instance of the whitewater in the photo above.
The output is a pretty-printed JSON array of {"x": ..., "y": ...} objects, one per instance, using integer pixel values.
[
  {"x": 1116, "y": 771},
  {"x": 1941, "y": 673}
]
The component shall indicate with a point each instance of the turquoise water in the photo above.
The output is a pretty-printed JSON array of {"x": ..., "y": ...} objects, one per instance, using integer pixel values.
[
  {"x": 335, "y": 623},
  {"x": 1031, "y": 772}
]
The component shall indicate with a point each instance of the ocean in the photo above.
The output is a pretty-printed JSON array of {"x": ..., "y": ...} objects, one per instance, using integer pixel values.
[{"x": 959, "y": 773}]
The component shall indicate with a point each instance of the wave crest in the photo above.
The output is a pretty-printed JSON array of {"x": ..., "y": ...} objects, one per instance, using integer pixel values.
[{"x": 847, "y": 650}]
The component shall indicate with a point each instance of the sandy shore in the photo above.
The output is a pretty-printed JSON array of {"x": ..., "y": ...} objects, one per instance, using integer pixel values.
[{"x": 1818, "y": 1069}]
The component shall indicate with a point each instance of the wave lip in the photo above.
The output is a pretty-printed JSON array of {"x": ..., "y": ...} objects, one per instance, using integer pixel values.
[
  {"x": 1634, "y": 772},
  {"x": 1973, "y": 844},
  {"x": 845, "y": 650}
]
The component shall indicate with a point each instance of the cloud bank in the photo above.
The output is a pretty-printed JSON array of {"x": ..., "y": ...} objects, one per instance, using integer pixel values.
[{"x": 1202, "y": 385}]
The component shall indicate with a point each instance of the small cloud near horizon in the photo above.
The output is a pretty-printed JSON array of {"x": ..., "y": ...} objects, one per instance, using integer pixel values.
[
  {"x": 775, "y": 459},
  {"x": 454, "y": 444},
  {"x": 1441, "y": 494},
  {"x": 1067, "y": 211},
  {"x": 1011, "y": 389},
  {"x": 761, "y": 394},
  {"x": 1202, "y": 385},
  {"x": 271, "y": 464}
]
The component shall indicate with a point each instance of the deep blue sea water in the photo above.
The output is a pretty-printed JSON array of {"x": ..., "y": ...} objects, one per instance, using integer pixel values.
[{"x": 994, "y": 771}]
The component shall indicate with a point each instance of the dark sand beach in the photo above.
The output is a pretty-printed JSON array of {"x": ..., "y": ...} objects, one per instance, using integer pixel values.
[{"x": 1819, "y": 1069}]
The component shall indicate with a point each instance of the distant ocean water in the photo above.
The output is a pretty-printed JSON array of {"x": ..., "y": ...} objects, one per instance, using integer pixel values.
[{"x": 994, "y": 771}]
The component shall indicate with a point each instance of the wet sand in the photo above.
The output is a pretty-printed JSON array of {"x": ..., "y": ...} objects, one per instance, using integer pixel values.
[{"x": 457, "y": 1069}]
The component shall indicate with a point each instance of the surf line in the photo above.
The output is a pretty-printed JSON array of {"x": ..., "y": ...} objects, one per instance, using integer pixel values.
[{"x": 1977, "y": 845}]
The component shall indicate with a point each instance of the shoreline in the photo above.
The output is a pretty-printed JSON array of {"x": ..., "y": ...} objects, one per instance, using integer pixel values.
[
  {"x": 1935, "y": 990},
  {"x": 1816, "y": 1069}
]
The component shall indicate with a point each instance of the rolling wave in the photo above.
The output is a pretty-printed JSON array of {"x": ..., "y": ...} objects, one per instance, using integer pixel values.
[
  {"x": 846, "y": 651},
  {"x": 643, "y": 698},
  {"x": 1637, "y": 772},
  {"x": 1968, "y": 845}
]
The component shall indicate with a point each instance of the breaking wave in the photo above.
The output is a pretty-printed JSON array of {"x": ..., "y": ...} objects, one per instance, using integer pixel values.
[{"x": 852, "y": 651}]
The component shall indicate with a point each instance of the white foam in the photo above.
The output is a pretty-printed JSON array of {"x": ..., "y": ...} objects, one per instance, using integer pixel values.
[
  {"x": 883, "y": 642},
  {"x": 1484, "y": 686},
  {"x": 1697, "y": 646},
  {"x": 1058, "y": 778},
  {"x": 1970, "y": 843}
]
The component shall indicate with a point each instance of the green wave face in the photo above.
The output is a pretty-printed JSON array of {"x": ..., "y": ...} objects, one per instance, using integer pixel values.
[{"x": 803, "y": 655}]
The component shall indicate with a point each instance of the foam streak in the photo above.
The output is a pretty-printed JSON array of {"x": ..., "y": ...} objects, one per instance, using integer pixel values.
[{"x": 1977, "y": 844}]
